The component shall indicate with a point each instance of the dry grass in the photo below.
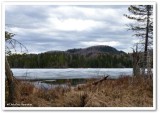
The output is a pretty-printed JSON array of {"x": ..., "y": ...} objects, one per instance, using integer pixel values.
[{"x": 122, "y": 92}]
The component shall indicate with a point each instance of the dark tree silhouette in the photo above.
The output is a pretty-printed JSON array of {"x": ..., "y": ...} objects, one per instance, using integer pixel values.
[{"x": 143, "y": 27}]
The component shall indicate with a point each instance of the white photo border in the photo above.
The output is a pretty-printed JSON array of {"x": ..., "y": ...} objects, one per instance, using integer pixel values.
[{"x": 81, "y": 3}]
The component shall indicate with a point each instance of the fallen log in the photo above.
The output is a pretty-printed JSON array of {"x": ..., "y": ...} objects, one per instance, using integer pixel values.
[
  {"x": 81, "y": 86},
  {"x": 96, "y": 82}
]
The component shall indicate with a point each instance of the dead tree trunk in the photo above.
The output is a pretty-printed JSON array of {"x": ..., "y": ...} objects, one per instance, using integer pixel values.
[
  {"x": 136, "y": 58},
  {"x": 10, "y": 82},
  {"x": 149, "y": 71}
]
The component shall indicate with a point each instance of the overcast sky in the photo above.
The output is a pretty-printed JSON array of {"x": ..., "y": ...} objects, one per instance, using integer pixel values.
[{"x": 45, "y": 28}]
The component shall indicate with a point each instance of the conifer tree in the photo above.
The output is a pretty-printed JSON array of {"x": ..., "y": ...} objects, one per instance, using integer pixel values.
[{"x": 143, "y": 28}]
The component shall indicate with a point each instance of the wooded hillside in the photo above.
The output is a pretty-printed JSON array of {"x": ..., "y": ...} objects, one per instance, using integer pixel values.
[{"x": 91, "y": 57}]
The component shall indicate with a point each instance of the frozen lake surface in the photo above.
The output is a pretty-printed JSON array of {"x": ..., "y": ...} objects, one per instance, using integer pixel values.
[{"x": 70, "y": 73}]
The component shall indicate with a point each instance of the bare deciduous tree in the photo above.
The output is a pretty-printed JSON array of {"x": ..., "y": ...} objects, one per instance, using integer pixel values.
[{"x": 11, "y": 81}]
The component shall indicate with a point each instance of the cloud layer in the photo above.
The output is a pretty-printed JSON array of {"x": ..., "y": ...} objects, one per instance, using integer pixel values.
[{"x": 56, "y": 27}]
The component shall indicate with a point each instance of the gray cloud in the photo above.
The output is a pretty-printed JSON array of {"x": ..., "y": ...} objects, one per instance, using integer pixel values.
[{"x": 53, "y": 27}]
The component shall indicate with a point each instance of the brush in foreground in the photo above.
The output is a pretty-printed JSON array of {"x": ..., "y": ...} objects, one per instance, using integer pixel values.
[{"x": 122, "y": 92}]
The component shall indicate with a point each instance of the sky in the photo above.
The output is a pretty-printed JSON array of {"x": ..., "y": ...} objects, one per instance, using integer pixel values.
[{"x": 60, "y": 27}]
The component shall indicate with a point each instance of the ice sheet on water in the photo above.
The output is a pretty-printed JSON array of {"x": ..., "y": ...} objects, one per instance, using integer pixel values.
[{"x": 70, "y": 73}]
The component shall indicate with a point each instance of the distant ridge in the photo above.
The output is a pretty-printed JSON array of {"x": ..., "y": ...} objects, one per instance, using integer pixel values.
[
  {"x": 96, "y": 49},
  {"x": 99, "y": 49}
]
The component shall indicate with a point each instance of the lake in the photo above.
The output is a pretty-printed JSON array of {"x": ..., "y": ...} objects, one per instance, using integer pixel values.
[{"x": 70, "y": 73}]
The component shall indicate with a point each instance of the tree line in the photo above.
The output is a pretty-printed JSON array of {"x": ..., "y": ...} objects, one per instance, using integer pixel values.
[{"x": 66, "y": 60}]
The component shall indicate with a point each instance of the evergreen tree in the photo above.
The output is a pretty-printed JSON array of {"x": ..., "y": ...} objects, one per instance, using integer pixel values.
[{"x": 143, "y": 27}]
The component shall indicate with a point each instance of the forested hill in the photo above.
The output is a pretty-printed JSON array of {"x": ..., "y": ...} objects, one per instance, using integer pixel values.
[
  {"x": 92, "y": 50},
  {"x": 91, "y": 57}
]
